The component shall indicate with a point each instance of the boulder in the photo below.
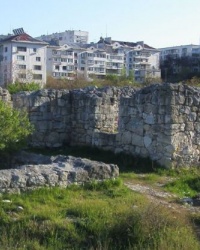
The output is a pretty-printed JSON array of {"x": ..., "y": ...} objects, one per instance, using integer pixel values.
[{"x": 31, "y": 171}]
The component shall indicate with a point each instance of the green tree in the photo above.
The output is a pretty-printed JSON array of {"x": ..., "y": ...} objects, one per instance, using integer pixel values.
[{"x": 14, "y": 128}]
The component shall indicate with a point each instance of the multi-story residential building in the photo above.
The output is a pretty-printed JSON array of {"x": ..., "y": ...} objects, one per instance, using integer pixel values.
[
  {"x": 68, "y": 36},
  {"x": 180, "y": 62},
  {"x": 61, "y": 61},
  {"x": 92, "y": 62},
  {"x": 144, "y": 62},
  {"x": 28, "y": 59},
  {"x": 22, "y": 58},
  {"x": 138, "y": 58},
  {"x": 75, "y": 60}
]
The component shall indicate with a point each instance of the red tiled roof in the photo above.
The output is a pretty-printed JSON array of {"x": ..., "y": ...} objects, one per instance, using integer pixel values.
[{"x": 21, "y": 37}]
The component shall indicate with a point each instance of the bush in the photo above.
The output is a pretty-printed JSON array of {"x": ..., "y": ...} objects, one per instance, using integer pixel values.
[
  {"x": 14, "y": 128},
  {"x": 18, "y": 86}
]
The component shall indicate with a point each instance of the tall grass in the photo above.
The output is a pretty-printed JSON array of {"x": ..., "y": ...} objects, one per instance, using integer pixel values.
[
  {"x": 94, "y": 216},
  {"x": 82, "y": 83}
]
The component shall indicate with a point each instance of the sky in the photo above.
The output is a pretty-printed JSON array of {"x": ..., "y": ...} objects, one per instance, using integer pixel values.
[{"x": 159, "y": 23}]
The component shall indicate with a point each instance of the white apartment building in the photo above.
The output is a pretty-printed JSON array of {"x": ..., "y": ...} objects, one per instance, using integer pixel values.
[
  {"x": 23, "y": 59},
  {"x": 179, "y": 51},
  {"x": 72, "y": 60},
  {"x": 92, "y": 62},
  {"x": 62, "y": 61},
  {"x": 144, "y": 62},
  {"x": 138, "y": 57},
  {"x": 68, "y": 36}
]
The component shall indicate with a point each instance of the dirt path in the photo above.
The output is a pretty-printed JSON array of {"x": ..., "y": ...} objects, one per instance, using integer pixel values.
[
  {"x": 157, "y": 196},
  {"x": 161, "y": 197}
]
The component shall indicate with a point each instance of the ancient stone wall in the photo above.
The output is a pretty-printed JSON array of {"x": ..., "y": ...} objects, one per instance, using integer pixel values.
[{"x": 159, "y": 121}]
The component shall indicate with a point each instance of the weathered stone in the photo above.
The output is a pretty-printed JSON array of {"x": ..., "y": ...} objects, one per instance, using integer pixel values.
[
  {"x": 153, "y": 118},
  {"x": 52, "y": 171},
  {"x": 147, "y": 141}
]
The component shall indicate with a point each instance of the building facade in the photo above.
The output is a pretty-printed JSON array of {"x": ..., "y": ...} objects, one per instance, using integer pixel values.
[
  {"x": 68, "y": 36},
  {"x": 27, "y": 59},
  {"x": 23, "y": 59},
  {"x": 139, "y": 59}
]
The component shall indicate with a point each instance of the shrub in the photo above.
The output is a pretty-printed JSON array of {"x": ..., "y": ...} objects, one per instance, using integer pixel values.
[
  {"x": 18, "y": 86},
  {"x": 14, "y": 128}
]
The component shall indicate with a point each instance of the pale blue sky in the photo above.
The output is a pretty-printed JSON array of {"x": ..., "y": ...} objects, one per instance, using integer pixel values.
[{"x": 159, "y": 23}]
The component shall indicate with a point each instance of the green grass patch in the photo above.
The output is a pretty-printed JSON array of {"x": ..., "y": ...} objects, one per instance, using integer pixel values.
[
  {"x": 186, "y": 183},
  {"x": 99, "y": 215}
]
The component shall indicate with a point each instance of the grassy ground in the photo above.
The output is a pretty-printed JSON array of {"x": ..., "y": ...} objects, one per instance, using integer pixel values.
[
  {"x": 95, "y": 216},
  {"x": 98, "y": 216}
]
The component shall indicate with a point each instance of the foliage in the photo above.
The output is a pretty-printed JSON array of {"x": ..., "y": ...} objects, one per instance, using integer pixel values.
[
  {"x": 19, "y": 86},
  {"x": 110, "y": 80},
  {"x": 152, "y": 80},
  {"x": 186, "y": 183},
  {"x": 14, "y": 128},
  {"x": 112, "y": 217},
  {"x": 194, "y": 81},
  {"x": 176, "y": 69}
]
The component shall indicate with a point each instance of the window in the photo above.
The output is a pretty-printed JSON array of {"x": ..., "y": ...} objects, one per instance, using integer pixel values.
[
  {"x": 70, "y": 60},
  {"x": 64, "y": 67},
  {"x": 37, "y": 67},
  {"x": 21, "y": 49},
  {"x": 38, "y": 59},
  {"x": 34, "y": 50},
  {"x": 22, "y": 76},
  {"x": 20, "y": 58},
  {"x": 57, "y": 67},
  {"x": 63, "y": 59},
  {"x": 6, "y": 49},
  {"x": 37, "y": 76},
  {"x": 57, "y": 59},
  {"x": 82, "y": 68},
  {"x": 70, "y": 67},
  {"x": 21, "y": 66}
]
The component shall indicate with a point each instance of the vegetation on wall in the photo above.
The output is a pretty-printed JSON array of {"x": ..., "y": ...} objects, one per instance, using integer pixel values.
[
  {"x": 109, "y": 80},
  {"x": 14, "y": 128},
  {"x": 20, "y": 86}
]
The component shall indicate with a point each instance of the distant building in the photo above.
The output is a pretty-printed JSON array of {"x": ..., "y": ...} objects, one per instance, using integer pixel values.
[
  {"x": 62, "y": 61},
  {"x": 85, "y": 61},
  {"x": 180, "y": 62},
  {"x": 22, "y": 58},
  {"x": 138, "y": 58},
  {"x": 68, "y": 36}
]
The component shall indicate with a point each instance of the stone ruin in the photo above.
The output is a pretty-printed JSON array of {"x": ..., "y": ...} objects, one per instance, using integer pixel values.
[
  {"x": 31, "y": 171},
  {"x": 161, "y": 121}
]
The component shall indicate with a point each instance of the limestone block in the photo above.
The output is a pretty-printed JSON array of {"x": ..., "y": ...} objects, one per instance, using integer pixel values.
[
  {"x": 197, "y": 126},
  {"x": 149, "y": 118},
  {"x": 147, "y": 141},
  {"x": 126, "y": 137},
  {"x": 180, "y": 98},
  {"x": 137, "y": 140}
]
